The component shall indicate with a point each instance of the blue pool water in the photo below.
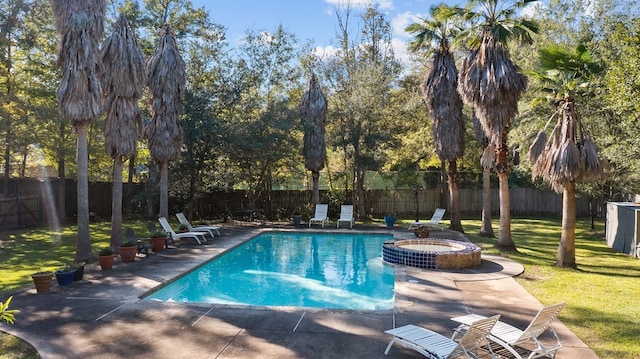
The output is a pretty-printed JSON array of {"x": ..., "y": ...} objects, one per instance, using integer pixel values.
[{"x": 321, "y": 270}]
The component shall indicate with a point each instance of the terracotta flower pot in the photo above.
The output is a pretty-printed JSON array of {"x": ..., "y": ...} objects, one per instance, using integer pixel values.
[
  {"x": 421, "y": 232},
  {"x": 127, "y": 254},
  {"x": 106, "y": 262},
  {"x": 42, "y": 281},
  {"x": 157, "y": 244}
]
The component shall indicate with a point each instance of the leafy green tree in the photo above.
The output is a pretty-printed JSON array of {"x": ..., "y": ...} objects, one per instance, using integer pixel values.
[
  {"x": 569, "y": 156},
  {"x": 261, "y": 122},
  {"x": 441, "y": 95},
  {"x": 491, "y": 83},
  {"x": 360, "y": 77}
]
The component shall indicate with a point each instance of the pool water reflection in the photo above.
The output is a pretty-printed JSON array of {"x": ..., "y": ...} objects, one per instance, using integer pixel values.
[{"x": 321, "y": 270}]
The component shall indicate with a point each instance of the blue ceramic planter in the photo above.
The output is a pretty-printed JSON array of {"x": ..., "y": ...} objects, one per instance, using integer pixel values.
[{"x": 65, "y": 277}]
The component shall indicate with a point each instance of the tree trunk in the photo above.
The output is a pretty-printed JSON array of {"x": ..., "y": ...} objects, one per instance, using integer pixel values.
[
  {"x": 315, "y": 198},
  {"x": 150, "y": 206},
  {"x": 83, "y": 245},
  {"x": 443, "y": 184},
  {"x": 502, "y": 167},
  {"x": 116, "y": 203},
  {"x": 486, "y": 230},
  {"x": 62, "y": 184},
  {"x": 128, "y": 206},
  {"x": 362, "y": 209},
  {"x": 7, "y": 161},
  {"x": 454, "y": 197},
  {"x": 504, "y": 235},
  {"x": 567, "y": 248},
  {"x": 164, "y": 189}
]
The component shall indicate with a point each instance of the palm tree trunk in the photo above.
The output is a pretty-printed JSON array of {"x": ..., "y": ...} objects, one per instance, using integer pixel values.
[
  {"x": 116, "y": 203},
  {"x": 164, "y": 189},
  {"x": 7, "y": 160},
  {"x": 315, "y": 175},
  {"x": 502, "y": 167},
  {"x": 504, "y": 235},
  {"x": 567, "y": 248},
  {"x": 362, "y": 209},
  {"x": 486, "y": 230},
  {"x": 150, "y": 205},
  {"x": 83, "y": 248},
  {"x": 62, "y": 184},
  {"x": 454, "y": 196}
]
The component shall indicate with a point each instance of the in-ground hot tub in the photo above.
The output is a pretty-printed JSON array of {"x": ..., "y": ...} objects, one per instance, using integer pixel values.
[{"x": 432, "y": 253}]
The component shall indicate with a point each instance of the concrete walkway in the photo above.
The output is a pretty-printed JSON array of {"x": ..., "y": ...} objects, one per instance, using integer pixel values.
[{"x": 103, "y": 317}]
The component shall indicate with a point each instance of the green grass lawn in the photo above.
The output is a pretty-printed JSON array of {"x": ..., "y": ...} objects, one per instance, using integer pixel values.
[{"x": 603, "y": 306}]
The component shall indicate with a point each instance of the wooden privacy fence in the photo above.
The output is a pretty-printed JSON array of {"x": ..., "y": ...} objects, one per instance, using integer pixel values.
[
  {"x": 524, "y": 202},
  {"x": 39, "y": 199},
  {"x": 20, "y": 211}
]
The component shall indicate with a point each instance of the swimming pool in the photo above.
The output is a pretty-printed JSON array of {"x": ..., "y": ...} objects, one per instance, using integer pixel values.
[{"x": 321, "y": 270}]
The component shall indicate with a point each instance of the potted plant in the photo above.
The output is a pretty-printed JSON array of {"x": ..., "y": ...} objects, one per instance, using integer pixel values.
[
  {"x": 64, "y": 275},
  {"x": 182, "y": 228},
  {"x": 390, "y": 220},
  {"x": 127, "y": 251},
  {"x": 79, "y": 271},
  {"x": 297, "y": 217},
  {"x": 106, "y": 257},
  {"x": 421, "y": 231},
  {"x": 158, "y": 241},
  {"x": 42, "y": 281}
]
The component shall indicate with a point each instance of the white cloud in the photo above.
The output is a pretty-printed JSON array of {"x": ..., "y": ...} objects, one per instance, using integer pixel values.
[
  {"x": 325, "y": 51},
  {"x": 383, "y": 4},
  {"x": 401, "y": 21}
]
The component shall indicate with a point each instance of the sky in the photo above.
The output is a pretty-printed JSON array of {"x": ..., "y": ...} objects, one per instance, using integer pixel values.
[{"x": 313, "y": 20}]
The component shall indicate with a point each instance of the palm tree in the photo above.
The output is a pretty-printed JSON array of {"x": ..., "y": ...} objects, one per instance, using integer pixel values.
[
  {"x": 441, "y": 96},
  {"x": 122, "y": 80},
  {"x": 166, "y": 77},
  {"x": 80, "y": 25},
  {"x": 491, "y": 84},
  {"x": 487, "y": 161},
  {"x": 313, "y": 110},
  {"x": 568, "y": 156}
]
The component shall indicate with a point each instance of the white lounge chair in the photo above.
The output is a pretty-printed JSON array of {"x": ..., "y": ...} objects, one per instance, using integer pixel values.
[
  {"x": 214, "y": 230},
  {"x": 511, "y": 338},
  {"x": 346, "y": 215},
  {"x": 198, "y": 236},
  {"x": 437, "y": 346},
  {"x": 434, "y": 223},
  {"x": 321, "y": 215}
]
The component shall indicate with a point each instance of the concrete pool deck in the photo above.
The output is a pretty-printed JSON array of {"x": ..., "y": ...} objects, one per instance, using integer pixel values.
[{"x": 103, "y": 317}]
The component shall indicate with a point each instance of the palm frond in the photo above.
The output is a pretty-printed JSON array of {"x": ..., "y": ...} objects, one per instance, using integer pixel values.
[{"x": 537, "y": 146}]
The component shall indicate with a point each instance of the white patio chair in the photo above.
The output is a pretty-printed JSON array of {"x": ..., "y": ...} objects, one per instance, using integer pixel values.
[
  {"x": 346, "y": 215},
  {"x": 512, "y": 338},
  {"x": 321, "y": 215},
  {"x": 198, "y": 236},
  {"x": 437, "y": 346}
]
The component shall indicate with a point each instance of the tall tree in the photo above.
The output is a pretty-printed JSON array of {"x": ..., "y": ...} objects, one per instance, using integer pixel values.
[
  {"x": 569, "y": 155},
  {"x": 313, "y": 110},
  {"x": 166, "y": 80},
  {"x": 123, "y": 78},
  {"x": 262, "y": 118},
  {"x": 441, "y": 96},
  {"x": 80, "y": 25},
  {"x": 361, "y": 76},
  {"x": 491, "y": 84}
]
